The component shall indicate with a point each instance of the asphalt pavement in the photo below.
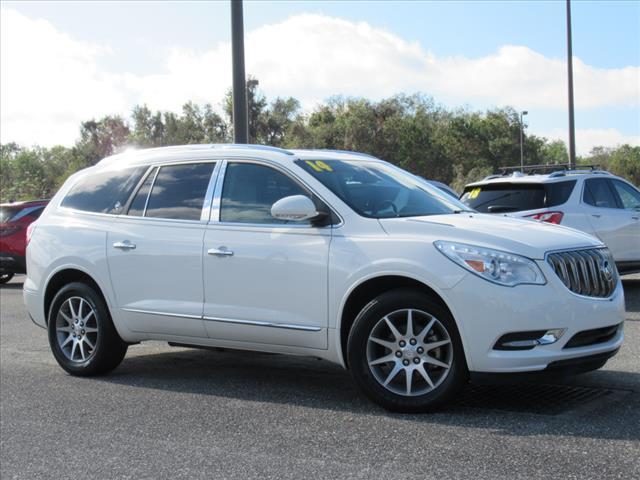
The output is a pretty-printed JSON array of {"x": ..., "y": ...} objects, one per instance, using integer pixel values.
[{"x": 179, "y": 413}]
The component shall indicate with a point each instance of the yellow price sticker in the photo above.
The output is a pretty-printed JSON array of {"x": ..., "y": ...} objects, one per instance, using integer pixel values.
[
  {"x": 319, "y": 166},
  {"x": 474, "y": 193}
]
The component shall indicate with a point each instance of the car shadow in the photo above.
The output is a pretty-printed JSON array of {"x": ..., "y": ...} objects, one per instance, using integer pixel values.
[{"x": 313, "y": 383}]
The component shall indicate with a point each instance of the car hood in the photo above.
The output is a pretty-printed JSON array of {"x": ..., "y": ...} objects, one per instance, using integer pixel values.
[{"x": 524, "y": 237}]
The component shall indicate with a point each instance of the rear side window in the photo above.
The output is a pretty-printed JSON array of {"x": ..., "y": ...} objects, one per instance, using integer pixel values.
[
  {"x": 598, "y": 193},
  {"x": 179, "y": 191},
  {"x": 7, "y": 213},
  {"x": 139, "y": 202},
  {"x": 515, "y": 197},
  {"x": 104, "y": 192}
]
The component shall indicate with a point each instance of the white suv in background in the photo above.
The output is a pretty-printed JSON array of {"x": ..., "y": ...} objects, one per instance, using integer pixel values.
[
  {"x": 336, "y": 255},
  {"x": 592, "y": 201}
]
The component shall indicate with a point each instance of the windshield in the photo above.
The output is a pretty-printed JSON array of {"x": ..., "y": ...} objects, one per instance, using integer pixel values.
[{"x": 377, "y": 190}]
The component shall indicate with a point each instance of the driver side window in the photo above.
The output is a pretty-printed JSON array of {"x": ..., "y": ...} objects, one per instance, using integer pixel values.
[{"x": 250, "y": 190}]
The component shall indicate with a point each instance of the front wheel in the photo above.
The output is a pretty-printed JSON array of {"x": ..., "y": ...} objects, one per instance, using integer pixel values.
[
  {"x": 404, "y": 351},
  {"x": 5, "y": 277},
  {"x": 81, "y": 334}
]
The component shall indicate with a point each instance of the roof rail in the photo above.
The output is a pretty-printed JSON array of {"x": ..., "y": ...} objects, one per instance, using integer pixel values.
[
  {"x": 267, "y": 148},
  {"x": 542, "y": 169}
]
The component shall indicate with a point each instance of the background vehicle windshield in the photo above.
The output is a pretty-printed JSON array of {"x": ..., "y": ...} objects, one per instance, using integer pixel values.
[
  {"x": 376, "y": 190},
  {"x": 514, "y": 197}
]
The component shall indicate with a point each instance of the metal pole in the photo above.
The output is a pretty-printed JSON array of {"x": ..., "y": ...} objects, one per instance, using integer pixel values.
[
  {"x": 522, "y": 114},
  {"x": 240, "y": 110},
  {"x": 572, "y": 130}
]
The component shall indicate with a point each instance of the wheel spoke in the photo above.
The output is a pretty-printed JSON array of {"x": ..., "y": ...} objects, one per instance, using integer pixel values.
[
  {"x": 90, "y": 329},
  {"x": 89, "y": 315},
  {"x": 81, "y": 345},
  {"x": 386, "y": 359},
  {"x": 73, "y": 349},
  {"x": 71, "y": 310},
  {"x": 67, "y": 319},
  {"x": 89, "y": 342},
  {"x": 396, "y": 369},
  {"x": 423, "y": 333},
  {"x": 80, "y": 305},
  {"x": 393, "y": 328},
  {"x": 435, "y": 361},
  {"x": 432, "y": 345},
  {"x": 68, "y": 339},
  {"x": 384, "y": 343},
  {"x": 408, "y": 372},
  {"x": 68, "y": 328},
  {"x": 409, "y": 323},
  {"x": 422, "y": 371}
]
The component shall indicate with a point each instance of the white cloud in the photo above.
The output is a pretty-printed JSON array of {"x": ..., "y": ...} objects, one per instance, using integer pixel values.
[
  {"x": 587, "y": 138},
  {"x": 50, "y": 81}
]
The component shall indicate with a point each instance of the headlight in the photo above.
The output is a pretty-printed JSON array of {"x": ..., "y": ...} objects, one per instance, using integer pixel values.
[{"x": 498, "y": 267}]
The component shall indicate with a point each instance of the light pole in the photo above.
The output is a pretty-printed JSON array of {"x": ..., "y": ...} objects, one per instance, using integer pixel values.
[
  {"x": 240, "y": 111},
  {"x": 572, "y": 128},
  {"x": 522, "y": 114}
]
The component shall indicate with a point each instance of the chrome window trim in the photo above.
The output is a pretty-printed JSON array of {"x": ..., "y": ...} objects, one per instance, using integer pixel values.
[
  {"x": 146, "y": 201},
  {"x": 255, "y": 323},
  {"x": 217, "y": 198},
  {"x": 127, "y": 204},
  {"x": 208, "y": 197}
]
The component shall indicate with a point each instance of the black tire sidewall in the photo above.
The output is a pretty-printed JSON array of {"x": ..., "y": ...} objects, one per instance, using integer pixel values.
[
  {"x": 106, "y": 345},
  {"x": 6, "y": 277},
  {"x": 357, "y": 347}
]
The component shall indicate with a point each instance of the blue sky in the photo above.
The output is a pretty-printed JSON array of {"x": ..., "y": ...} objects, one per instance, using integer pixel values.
[{"x": 466, "y": 54}]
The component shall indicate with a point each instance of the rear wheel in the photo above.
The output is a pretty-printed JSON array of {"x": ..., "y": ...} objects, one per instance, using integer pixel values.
[
  {"x": 81, "y": 334},
  {"x": 5, "y": 277},
  {"x": 404, "y": 351}
]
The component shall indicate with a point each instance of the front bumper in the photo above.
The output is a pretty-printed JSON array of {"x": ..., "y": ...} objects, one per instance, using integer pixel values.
[{"x": 485, "y": 312}]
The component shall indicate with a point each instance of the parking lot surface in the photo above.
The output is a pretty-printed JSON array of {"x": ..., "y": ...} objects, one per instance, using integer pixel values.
[{"x": 180, "y": 413}]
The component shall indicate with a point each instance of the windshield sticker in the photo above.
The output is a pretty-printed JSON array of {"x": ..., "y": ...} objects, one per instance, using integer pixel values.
[
  {"x": 319, "y": 166},
  {"x": 474, "y": 193}
]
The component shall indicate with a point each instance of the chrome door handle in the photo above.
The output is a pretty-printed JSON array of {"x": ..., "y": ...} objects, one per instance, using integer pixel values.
[
  {"x": 220, "y": 252},
  {"x": 124, "y": 245},
  {"x": 597, "y": 215}
]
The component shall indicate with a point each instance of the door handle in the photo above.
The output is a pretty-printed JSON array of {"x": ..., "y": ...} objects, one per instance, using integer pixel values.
[
  {"x": 220, "y": 252},
  {"x": 597, "y": 215},
  {"x": 124, "y": 245}
]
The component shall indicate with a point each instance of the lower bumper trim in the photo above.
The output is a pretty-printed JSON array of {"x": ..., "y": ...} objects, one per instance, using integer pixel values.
[{"x": 555, "y": 370}]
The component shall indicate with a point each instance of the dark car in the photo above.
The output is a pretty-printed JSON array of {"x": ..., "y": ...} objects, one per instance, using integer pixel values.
[{"x": 14, "y": 220}]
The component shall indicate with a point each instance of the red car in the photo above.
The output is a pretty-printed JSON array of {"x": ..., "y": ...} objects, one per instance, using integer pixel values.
[{"x": 14, "y": 220}]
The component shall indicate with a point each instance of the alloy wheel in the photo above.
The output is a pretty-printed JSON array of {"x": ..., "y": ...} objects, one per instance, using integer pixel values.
[
  {"x": 409, "y": 352},
  {"x": 77, "y": 329}
]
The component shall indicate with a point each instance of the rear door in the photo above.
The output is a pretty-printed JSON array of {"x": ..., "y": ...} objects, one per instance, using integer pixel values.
[
  {"x": 611, "y": 223},
  {"x": 155, "y": 250}
]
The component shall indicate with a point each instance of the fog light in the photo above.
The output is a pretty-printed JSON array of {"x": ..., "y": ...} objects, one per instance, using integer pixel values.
[{"x": 528, "y": 340}]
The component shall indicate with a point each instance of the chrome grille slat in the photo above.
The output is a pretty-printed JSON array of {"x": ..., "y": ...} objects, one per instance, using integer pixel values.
[{"x": 588, "y": 272}]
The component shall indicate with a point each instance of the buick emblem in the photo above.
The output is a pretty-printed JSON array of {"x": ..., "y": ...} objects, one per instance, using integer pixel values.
[{"x": 606, "y": 270}]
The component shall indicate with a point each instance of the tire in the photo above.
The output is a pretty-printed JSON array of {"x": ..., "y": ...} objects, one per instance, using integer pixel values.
[
  {"x": 437, "y": 352},
  {"x": 77, "y": 309},
  {"x": 5, "y": 277}
]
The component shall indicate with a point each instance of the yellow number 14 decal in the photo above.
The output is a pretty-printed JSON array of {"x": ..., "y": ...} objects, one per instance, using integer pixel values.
[{"x": 319, "y": 165}]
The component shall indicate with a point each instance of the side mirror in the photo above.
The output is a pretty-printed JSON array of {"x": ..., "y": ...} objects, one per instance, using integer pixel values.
[{"x": 296, "y": 208}]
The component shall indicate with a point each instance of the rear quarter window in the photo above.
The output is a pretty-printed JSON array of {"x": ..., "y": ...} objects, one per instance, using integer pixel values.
[{"x": 104, "y": 192}]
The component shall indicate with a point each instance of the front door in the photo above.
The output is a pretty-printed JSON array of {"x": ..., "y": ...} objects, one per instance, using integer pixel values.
[
  {"x": 155, "y": 252},
  {"x": 265, "y": 280}
]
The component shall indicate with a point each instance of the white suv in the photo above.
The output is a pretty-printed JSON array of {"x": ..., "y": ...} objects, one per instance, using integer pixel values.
[
  {"x": 332, "y": 254},
  {"x": 592, "y": 201}
]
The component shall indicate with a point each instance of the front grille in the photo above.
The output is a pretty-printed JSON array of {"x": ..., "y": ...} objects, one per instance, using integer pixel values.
[
  {"x": 589, "y": 272},
  {"x": 593, "y": 337}
]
